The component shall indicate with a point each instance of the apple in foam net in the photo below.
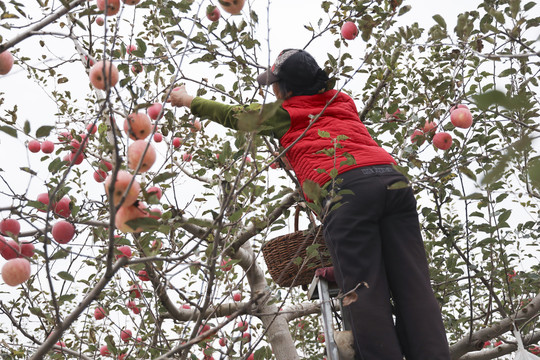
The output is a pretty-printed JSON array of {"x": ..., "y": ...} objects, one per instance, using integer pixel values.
[
  {"x": 154, "y": 110},
  {"x": 213, "y": 13},
  {"x": 123, "y": 178},
  {"x": 349, "y": 30},
  {"x": 34, "y": 146},
  {"x": 6, "y": 62},
  {"x": 103, "y": 75},
  {"x": 109, "y": 7},
  {"x": 16, "y": 271},
  {"x": 138, "y": 126},
  {"x": 442, "y": 140},
  {"x": 10, "y": 227},
  {"x": 129, "y": 212},
  {"x": 461, "y": 118},
  {"x": 63, "y": 232},
  {"x": 233, "y": 7},
  {"x": 135, "y": 155}
]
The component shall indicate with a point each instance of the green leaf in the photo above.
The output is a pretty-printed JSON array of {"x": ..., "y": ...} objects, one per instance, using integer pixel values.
[
  {"x": 26, "y": 127},
  {"x": 163, "y": 177},
  {"x": 60, "y": 254},
  {"x": 9, "y": 130},
  {"x": 44, "y": 131},
  {"x": 324, "y": 134},
  {"x": 440, "y": 20},
  {"x": 65, "y": 276},
  {"x": 236, "y": 215},
  {"x": 28, "y": 170},
  {"x": 495, "y": 97},
  {"x": 398, "y": 185},
  {"x": 312, "y": 189}
]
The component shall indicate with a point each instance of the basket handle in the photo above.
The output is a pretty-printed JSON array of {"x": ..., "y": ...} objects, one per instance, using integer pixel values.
[{"x": 297, "y": 215}]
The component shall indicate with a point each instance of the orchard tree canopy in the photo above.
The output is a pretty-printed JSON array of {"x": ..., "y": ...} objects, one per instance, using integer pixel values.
[{"x": 191, "y": 282}]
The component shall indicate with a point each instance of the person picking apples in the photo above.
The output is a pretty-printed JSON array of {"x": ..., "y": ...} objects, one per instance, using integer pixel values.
[{"x": 374, "y": 236}]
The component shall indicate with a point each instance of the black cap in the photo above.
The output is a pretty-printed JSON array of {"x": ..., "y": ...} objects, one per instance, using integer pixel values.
[{"x": 297, "y": 68}]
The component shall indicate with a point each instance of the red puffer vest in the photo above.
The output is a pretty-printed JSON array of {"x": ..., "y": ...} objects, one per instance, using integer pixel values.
[{"x": 339, "y": 118}]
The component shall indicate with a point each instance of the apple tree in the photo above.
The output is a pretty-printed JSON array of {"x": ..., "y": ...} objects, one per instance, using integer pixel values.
[{"x": 133, "y": 230}]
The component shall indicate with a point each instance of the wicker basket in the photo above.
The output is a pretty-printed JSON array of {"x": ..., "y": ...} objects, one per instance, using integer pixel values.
[{"x": 282, "y": 256}]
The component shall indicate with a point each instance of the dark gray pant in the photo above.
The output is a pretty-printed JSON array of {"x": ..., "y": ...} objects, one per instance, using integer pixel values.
[{"x": 374, "y": 237}]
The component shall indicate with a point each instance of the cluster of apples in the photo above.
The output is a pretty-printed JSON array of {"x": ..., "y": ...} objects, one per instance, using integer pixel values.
[
  {"x": 17, "y": 268},
  {"x": 460, "y": 116}
]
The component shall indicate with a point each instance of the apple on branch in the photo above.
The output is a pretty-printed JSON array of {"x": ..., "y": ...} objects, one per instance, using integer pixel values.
[
  {"x": 213, "y": 13},
  {"x": 6, "y": 62},
  {"x": 103, "y": 75},
  {"x": 442, "y": 140},
  {"x": 461, "y": 117},
  {"x": 110, "y": 7},
  {"x": 123, "y": 179},
  {"x": 233, "y": 7},
  {"x": 47, "y": 147},
  {"x": 138, "y": 126},
  {"x": 63, "y": 232},
  {"x": 10, "y": 227},
  {"x": 349, "y": 30},
  {"x": 135, "y": 155},
  {"x": 9, "y": 249},
  {"x": 16, "y": 271}
]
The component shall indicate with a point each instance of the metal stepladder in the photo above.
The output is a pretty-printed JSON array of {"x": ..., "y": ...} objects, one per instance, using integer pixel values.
[{"x": 324, "y": 288}]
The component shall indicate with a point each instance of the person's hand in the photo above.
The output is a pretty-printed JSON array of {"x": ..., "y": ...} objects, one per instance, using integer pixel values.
[{"x": 180, "y": 97}]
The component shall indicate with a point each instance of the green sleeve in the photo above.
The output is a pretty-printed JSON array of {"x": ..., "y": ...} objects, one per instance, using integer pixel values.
[{"x": 230, "y": 116}]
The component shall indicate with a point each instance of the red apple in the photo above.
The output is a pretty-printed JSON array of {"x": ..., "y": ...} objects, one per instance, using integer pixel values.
[
  {"x": 126, "y": 335},
  {"x": 62, "y": 207},
  {"x": 129, "y": 212},
  {"x": 251, "y": 357},
  {"x": 213, "y": 13},
  {"x": 44, "y": 199},
  {"x": 73, "y": 158},
  {"x": 9, "y": 249},
  {"x": 186, "y": 306},
  {"x": 349, "y": 30},
  {"x": 60, "y": 344},
  {"x": 233, "y": 7},
  {"x": 125, "y": 251},
  {"x": 99, "y": 313},
  {"x": 237, "y": 296},
  {"x": 461, "y": 118},
  {"x": 223, "y": 341},
  {"x": 137, "y": 68},
  {"x": 196, "y": 125},
  {"x": 158, "y": 137},
  {"x": 458, "y": 106},
  {"x": 320, "y": 338},
  {"x": 47, "y": 146},
  {"x": 106, "y": 165},
  {"x": 242, "y": 325},
  {"x": 246, "y": 336},
  {"x": 123, "y": 179},
  {"x": 63, "y": 232},
  {"x": 418, "y": 137},
  {"x": 135, "y": 155},
  {"x": 100, "y": 175},
  {"x": 34, "y": 146},
  {"x": 100, "y": 21},
  {"x": 187, "y": 157},
  {"x": 154, "y": 110},
  {"x": 110, "y": 7},
  {"x": 122, "y": 356},
  {"x": 143, "y": 276},
  {"x": 429, "y": 126},
  {"x": 10, "y": 227},
  {"x": 442, "y": 140},
  {"x": 155, "y": 213},
  {"x": 177, "y": 142},
  {"x": 155, "y": 190},
  {"x": 135, "y": 291},
  {"x": 104, "y": 351},
  {"x": 104, "y": 75},
  {"x": 138, "y": 126},
  {"x": 91, "y": 128},
  {"x": 225, "y": 264},
  {"x": 6, "y": 62},
  {"x": 131, "y": 304},
  {"x": 27, "y": 249},
  {"x": 16, "y": 271},
  {"x": 131, "y": 48},
  {"x": 131, "y": 2}
]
